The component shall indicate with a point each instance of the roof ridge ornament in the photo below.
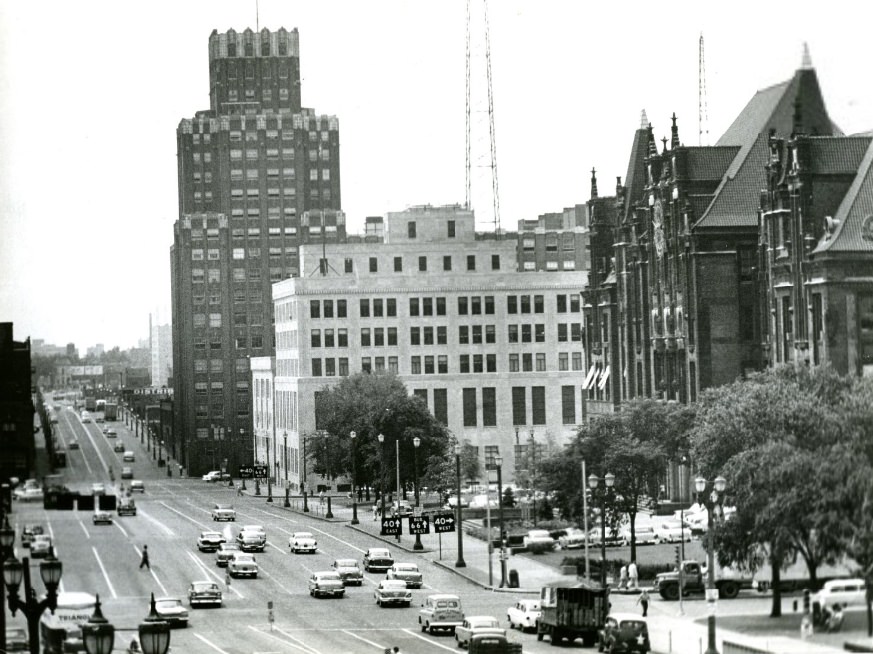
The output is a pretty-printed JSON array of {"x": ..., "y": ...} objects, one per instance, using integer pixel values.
[{"x": 806, "y": 60}]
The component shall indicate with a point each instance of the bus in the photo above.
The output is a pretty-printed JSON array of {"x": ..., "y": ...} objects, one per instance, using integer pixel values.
[{"x": 61, "y": 632}]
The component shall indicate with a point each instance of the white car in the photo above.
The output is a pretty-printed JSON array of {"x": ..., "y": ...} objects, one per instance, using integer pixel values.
[
  {"x": 539, "y": 540},
  {"x": 392, "y": 591},
  {"x": 327, "y": 583},
  {"x": 406, "y": 572},
  {"x": 223, "y": 512},
  {"x": 672, "y": 531},
  {"x": 643, "y": 535},
  {"x": 28, "y": 494},
  {"x": 845, "y": 592},
  {"x": 210, "y": 541},
  {"x": 477, "y": 624},
  {"x": 40, "y": 546},
  {"x": 242, "y": 564},
  {"x": 572, "y": 538},
  {"x": 213, "y": 475},
  {"x": 302, "y": 541},
  {"x": 524, "y": 614}
]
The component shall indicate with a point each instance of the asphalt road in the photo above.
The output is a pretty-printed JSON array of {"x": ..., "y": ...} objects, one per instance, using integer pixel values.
[{"x": 104, "y": 560}]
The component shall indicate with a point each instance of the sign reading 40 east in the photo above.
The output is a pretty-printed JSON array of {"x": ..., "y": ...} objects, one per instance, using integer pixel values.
[{"x": 392, "y": 526}]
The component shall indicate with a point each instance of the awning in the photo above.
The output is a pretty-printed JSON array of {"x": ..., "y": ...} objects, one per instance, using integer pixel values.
[
  {"x": 603, "y": 377},
  {"x": 589, "y": 378}
]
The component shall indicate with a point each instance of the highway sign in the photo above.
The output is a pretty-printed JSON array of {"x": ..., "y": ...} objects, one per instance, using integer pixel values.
[
  {"x": 419, "y": 524},
  {"x": 260, "y": 472},
  {"x": 392, "y": 526},
  {"x": 443, "y": 522},
  {"x": 246, "y": 472}
]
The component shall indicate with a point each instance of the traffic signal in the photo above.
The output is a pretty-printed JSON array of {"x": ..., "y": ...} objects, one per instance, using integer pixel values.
[
  {"x": 678, "y": 557},
  {"x": 806, "y": 600}
]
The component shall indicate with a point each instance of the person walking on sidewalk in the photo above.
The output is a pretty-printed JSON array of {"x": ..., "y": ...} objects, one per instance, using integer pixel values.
[
  {"x": 145, "y": 558},
  {"x": 643, "y": 600},
  {"x": 321, "y": 497},
  {"x": 622, "y": 578},
  {"x": 633, "y": 576}
]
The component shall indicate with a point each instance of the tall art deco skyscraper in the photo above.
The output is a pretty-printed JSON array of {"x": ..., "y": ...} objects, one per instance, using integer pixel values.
[{"x": 258, "y": 177}]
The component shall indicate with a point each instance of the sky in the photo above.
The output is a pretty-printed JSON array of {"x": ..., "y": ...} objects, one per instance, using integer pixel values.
[{"x": 91, "y": 94}]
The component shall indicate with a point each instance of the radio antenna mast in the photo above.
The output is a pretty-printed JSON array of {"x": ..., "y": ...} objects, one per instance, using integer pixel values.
[{"x": 702, "y": 117}]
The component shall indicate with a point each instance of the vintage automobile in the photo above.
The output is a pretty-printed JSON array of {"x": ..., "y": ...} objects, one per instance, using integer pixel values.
[
  {"x": 242, "y": 564},
  {"x": 118, "y": 447},
  {"x": 224, "y": 553},
  {"x": 136, "y": 486},
  {"x": 475, "y": 625},
  {"x": 128, "y": 456},
  {"x": 572, "y": 538},
  {"x": 28, "y": 532},
  {"x": 212, "y": 476},
  {"x": 204, "y": 592},
  {"x": 624, "y": 632},
  {"x": 101, "y": 517},
  {"x": 40, "y": 546},
  {"x": 126, "y": 506},
  {"x": 326, "y": 583},
  {"x": 252, "y": 538},
  {"x": 845, "y": 592},
  {"x": 441, "y": 611},
  {"x": 643, "y": 535},
  {"x": 302, "y": 541},
  {"x": 538, "y": 541},
  {"x": 172, "y": 610},
  {"x": 17, "y": 640},
  {"x": 73, "y": 445},
  {"x": 127, "y": 472},
  {"x": 407, "y": 572},
  {"x": 98, "y": 488},
  {"x": 349, "y": 571},
  {"x": 493, "y": 644},
  {"x": 111, "y": 433},
  {"x": 524, "y": 614},
  {"x": 223, "y": 512},
  {"x": 377, "y": 558},
  {"x": 392, "y": 591},
  {"x": 402, "y": 508},
  {"x": 672, "y": 531},
  {"x": 32, "y": 494},
  {"x": 210, "y": 541}
]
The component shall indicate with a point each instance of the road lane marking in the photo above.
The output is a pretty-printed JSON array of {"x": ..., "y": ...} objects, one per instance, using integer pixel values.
[
  {"x": 369, "y": 642},
  {"x": 303, "y": 647},
  {"x": 210, "y": 571},
  {"x": 211, "y": 644},
  {"x": 165, "y": 528},
  {"x": 158, "y": 581},
  {"x": 274, "y": 579},
  {"x": 82, "y": 525},
  {"x": 427, "y": 640},
  {"x": 123, "y": 531},
  {"x": 105, "y": 575}
]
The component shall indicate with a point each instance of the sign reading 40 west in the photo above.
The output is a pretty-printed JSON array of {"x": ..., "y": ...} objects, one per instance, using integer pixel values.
[{"x": 443, "y": 522}]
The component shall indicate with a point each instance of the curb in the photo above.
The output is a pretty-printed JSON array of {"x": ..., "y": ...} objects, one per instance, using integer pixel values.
[
  {"x": 481, "y": 584},
  {"x": 389, "y": 541},
  {"x": 280, "y": 504}
]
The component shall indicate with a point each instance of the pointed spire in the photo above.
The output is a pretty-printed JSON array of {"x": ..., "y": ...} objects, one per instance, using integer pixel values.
[
  {"x": 806, "y": 61},
  {"x": 664, "y": 141},
  {"x": 653, "y": 147},
  {"x": 644, "y": 121},
  {"x": 674, "y": 139},
  {"x": 618, "y": 186},
  {"x": 593, "y": 184}
]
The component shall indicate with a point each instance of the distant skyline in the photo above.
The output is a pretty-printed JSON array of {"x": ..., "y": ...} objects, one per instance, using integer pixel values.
[{"x": 91, "y": 94}]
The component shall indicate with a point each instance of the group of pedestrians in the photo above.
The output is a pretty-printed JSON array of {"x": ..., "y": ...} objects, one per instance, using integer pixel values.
[{"x": 629, "y": 577}]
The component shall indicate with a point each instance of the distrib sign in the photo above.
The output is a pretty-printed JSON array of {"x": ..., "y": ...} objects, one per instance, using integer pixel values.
[
  {"x": 419, "y": 525},
  {"x": 443, "y": 522},
  {"x": 392, "y": 526}
]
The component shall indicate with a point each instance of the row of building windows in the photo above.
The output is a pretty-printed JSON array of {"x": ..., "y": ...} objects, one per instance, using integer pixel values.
[{"x": 467, "y": 335}]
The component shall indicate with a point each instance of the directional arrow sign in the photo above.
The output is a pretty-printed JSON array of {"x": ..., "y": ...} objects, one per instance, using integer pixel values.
[
  {"x": 392, "y": 526},
  {"x": 443, "y": 522},
  {"x": 419, "y": 525},
  {"x": 260, "y": 471},
  {"x": 246, "y": 472}
]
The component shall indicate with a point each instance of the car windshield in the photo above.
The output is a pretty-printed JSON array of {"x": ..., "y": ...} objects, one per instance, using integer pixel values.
[
  {"x": 393, "y": 584},
  {"x": 347, "y": 563},
  {"x": 406, "y": 567},
  {"x": 302, "y": 534},
  {"x": 168, "y": 603},
  {"x": 223, "y": 506},
  {"x": 210, "y": 534},
  {"x": 636, "y": 625},
  {"x": 329, "y": 576},
  {"x": 483, "y": 622},
  {"x": 379, "y": 553},
  {"x": 243, "y": 557},
  {"x": 204, "y": 585}
]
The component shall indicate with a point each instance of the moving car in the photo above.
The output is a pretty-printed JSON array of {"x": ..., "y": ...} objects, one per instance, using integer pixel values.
[
  {"x": 326, "y": 583},
  {"x": 127, "y": 472},
  {"x": 210, "y": 541},
  {"x": 349, "y": 571},
  {"x": 204, "y": 592},
  {"x": 212, "y": 476},
  {"x": 845, "y": 592},
  {"x": 672, "y": 531},
  {"x": 392, "y": 591},
  {"x": 111, "y": 433},
  {"x": 33, "y": 494},
  {"x": 101, "y": 517},
  {"x": 252, "y": 538},
  {"x": 73, "y": 445},
  {"x": 402, "y": 509},
  {"x": 99, "y": 419},
  {"x": 377, "y": 558},
  {"x": 98, "y": 488},
  {"x": 40, "y": 546},
  {"x": 222, "y": 512},
  {"x": 624, "y": 632},
  {"x": 573, "y": 537},
  {"x": 136, "y": 486},
  {"x": 475, "y": 625},
  {"x": 407, "y": 572},
  {"x": 118, "y": 447},
  {"x": 28, "y": 532},
  {"x": 524, "y": 614},
  {"x": 441, "y": 611},
  {"x": 225, "y": 552},
  {"x": 539, "y": 540},
  {"x": 86, "y": 420},
  {"x": 16, "y": 640},
  {"x": 302, "y": 541},
  {"x": 126, "y": 506},
  {"x": 172, "y": 610},
  {"x": 242, "y": 564},
  {"x": 128, "y": 456}
]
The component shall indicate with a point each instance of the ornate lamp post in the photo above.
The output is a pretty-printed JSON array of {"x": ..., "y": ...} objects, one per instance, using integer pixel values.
[
  {"x": 50, "y": 570},
  {"x": 7, "y": 540},
  {"x": 98, "y": 635},
  {"x": 460, "y": 563},
  {"x": 269, "y": 476},
  {"x": 154, "y": 633},
  {"x": 498, "y": 462},
  {"x": 533, "y": 468},
  {"x": 713, "y": 502},
  {"x": 416, "y": 442},
  {"x": 609, "y": 481},
  {"x": 353, "y": 435},
  {"x": 381, "y": 438}
]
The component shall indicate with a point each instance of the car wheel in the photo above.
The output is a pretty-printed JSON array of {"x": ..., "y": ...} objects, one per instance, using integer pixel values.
[{"x": 429, "y": 629}]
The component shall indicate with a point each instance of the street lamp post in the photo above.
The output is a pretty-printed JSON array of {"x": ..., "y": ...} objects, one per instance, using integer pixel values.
[
  {"x": 713, "y": 503},
  {"x": 416, "y": 442},
  {"x": 381, "y": 438},
  {"x": 460, "y": 563},
  {"x": 7, "y": 540},
  {"x": 498, "y": 462},
  {"x": 353, "y": 435},
  {"x": 13, "y": 572},
  {"x": 533, "y": 483},
  {"x": 269, "y": 477},
  {"x": 285, "y": 462},
  {"x": 98, "y": 634},
  {"x": 609, "y": 481}
]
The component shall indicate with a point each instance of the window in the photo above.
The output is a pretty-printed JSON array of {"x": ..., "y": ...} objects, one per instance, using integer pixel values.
[
  {"x": 392, "y": 336},
  {"x": 316, "y": 367},
  {"x": 541, "y": 362},
  {"x": 415, "y": 336},
  {"x": 464, "y": 363},
  {"x": 527, "y": 362},
  {"x": 476, "y": 306},
  {"x": 577, "y": 361},
  {"x": 328, "y": 338},
  {"x": 513, "y": 363},
  {"x": 463, "y": 335},
  {"x": 462, "y": 306},
  {"x": 512, "y": 304},
  {"x": 512, "y": 333},
  {"x": 427, "y": 306},
  {"x": 442, "y": 335},
  {"x": 410, "y": 229},
  {"x": 413, "y": 306},
  {"x": 391, "y": 307},
  {"x": 562, "y": 332},
  {"x": 441, "y": 405},
  {"x": 495, "y": 262},
  {"x": 525, "y": 303},
  {"x": 489, "y": 305},
  {"x": 519, "y": 406},
  {"x": 421, "y": 393},
  {"x": 538, "y": 405},
  {"x": 398, "y": 264},
  {"x": 330, "y": 367},
  {"x": 478, "y": 363},
  {"x": 348, "y": 266},
  {"x": 469, "y": 407},
  {"x": 393, "y": 365},
  {"x": 415, "y": 364},
  {"x": 489, "y": 413},
  {"x": 525, "y": 333},
  {"x": 490, "y": 363},
  {"x": 477, "y": 334},
  {"x": 428, "y": 335},
  {"x": 343, "y": 367},
  {"x": 443, "y": 364},
  {"x": 422, "y": 263},
  {"x": 563, "y": 361},
  {"x": 366, "y": 366},
  {"x": 447, "y": 263},
  {"x": 490, "y": 334},
  {"x": 576, "y": 331},
  {"x": 540, "y": 333},
  {"x": 365, "y": 337},
  {"x": 575, "y": 304},
  {"x": 365, "y": 308},
  {"x": 441, "y": 306},
  {"x": 428, "y": 365},
  {"x": 377, "y": 308},
  {"x": 562, "y": 304},
  {"x": 471, "y": 262},
  {"x": 342, "y": 338},
  {"x": 374, "y": 265},
  {"x": 450, "y": 225},
  {"x": 314, "y": 309}
]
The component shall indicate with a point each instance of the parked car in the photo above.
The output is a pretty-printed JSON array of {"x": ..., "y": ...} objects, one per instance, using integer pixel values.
[
  {"x": 392, "y": 591},
  {"x": 302, "y": 541},
  {"x": 441, "y": 611},
  {"x": 118, "y": 447},
  {"x": 40, "y": 546},
  {"x": 210, "y": 541},
  {"x": 136, "y": 486},
  {"x": 33, "y": 494},
  {"x": 127, "y": 472},
  {"x": 624, "y": 632},
  {"x": 524, "y": 614},
  {"x": 672, "y": 531},
  {"x": 643, "y": 535},
  {"x": 845, "y": 592},
  {"x": 326, "y": 583},
  {"x": 111, "y": 433},
  {"x": 172, "y": 610},
  {"x": 475, "y": 625},
  {"x": 242, "y": 564},
  {"x": 613, "y": 537},
  {"x": 377, "y": 558},
  {"x": 101, "y": 517},
  {"x": 407, "y": 572},
  {"x": 224, "y": 553},
  {"x": 252, "y": 538},
  {"x": 223, "y": 512},
  {"x": 538, "y": 541},
  {"x": 17, "y": 640},
  {"x": 28, "y": 532},
  {"x": 126, "y": 506},
  {"x": 402, "y": 509},
  {"x": 212, "y": 476},
  {"x": 452, "y": 503},
  {"x": 204, "y": 592},
  {"x": 128, "y": 456},
  {"x": 349, "y": 571},
  {"x": 572, "y": 538}
]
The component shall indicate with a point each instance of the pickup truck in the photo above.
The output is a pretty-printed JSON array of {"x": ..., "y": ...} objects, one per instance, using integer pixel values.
[{"x": 694, "y": 582}]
